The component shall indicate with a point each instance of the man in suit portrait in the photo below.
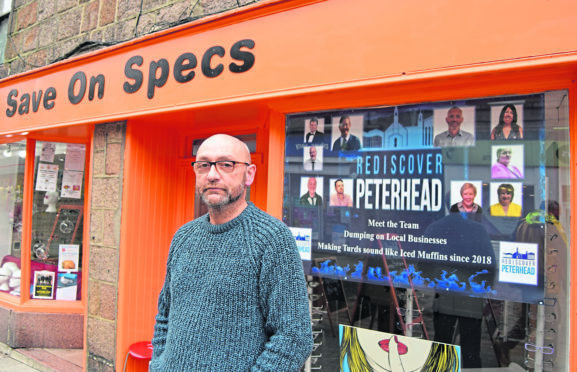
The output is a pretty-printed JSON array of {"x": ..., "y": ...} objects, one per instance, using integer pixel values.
[
  {"x": 311, "y": 198},
  {"x": 314, "y": 135},
  {"x": 347, "y": 141},
  {"x": 314, "y": 162}
]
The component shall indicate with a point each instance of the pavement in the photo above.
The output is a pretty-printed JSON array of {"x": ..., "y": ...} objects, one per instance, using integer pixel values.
[{"x": 40, "y": 360}]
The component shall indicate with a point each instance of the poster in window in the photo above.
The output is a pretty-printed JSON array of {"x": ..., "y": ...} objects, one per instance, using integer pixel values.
[
  {"x": 71, "y": 184},
  {"x": 48, "y": 152},
  {"x": 47, "y": 177},
  {"x": 303, "y": 240},
  {"x": 67, "y": 286},
  {"x": 68, "y": 255},
  {"x": 369, "y": 350},
  {"x": 424, "y": 195},
  {"x": 43, "y": 285},
  {"x": 75, "y": 155}
]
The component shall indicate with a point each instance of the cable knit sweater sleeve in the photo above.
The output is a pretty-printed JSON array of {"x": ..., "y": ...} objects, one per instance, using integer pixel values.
[
  {"x": 284, "y": 301},
  {"x": 161, "y": 325}
]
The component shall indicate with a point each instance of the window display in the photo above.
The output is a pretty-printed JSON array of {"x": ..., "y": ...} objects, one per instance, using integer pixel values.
[
  {"x": 57, "y": 221},
  {"x": 12, "y": 160},
  {"x": 445, "y": 219}
]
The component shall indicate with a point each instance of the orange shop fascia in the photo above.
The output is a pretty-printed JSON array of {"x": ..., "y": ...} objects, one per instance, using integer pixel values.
[{"x": 244, "y": 70}]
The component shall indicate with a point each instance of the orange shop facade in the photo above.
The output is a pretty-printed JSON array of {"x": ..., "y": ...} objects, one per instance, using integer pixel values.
[{"x": 96, "y": 175}]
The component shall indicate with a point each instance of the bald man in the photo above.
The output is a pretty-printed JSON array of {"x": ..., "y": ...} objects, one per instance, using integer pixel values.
[
  {"x": 454, "y": 136},
  {"x": 311, "y": 198},
  {"x": 234, "y": 296}
]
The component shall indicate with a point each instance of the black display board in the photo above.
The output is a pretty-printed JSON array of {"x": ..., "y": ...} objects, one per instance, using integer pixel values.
[{"x": 392, "y": 204}]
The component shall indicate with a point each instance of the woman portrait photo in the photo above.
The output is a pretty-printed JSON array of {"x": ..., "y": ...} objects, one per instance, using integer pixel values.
[
  {"x": 508, "y": 127},
  {"x": 505, "y": 206},
  {"x": 468, "y": 194},
  {"x": 507, "y": 162}
]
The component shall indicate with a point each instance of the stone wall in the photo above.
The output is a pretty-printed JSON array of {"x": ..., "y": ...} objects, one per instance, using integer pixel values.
[
  {"x": 45, "y": 31},
  {"x": 105, "y": 214}
]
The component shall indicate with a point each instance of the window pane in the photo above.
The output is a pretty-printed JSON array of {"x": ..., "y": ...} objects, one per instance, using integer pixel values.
[
  {"x": 12, "y": 159},
  {"x": 438, "y": 221},
  {"x": 57, "y": 221},
  {"x": 5, "y": 6},
  {"x": 3, "y": 36}
]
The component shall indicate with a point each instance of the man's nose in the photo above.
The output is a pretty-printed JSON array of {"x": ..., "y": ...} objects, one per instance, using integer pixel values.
[{"x": 213, "y": 172}]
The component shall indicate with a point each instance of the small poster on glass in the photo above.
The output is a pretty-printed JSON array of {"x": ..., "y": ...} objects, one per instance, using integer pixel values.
[
  {"x": 48, "y": 151},
  {"x": 75, "y": 155},
  {"x": 68, "y": 257},
  {"x": 47, "y": 177},
  {"x": 71, "y": 184},
  {"x": 43, "y": 285},
  {"x": 67, "y": 286}
]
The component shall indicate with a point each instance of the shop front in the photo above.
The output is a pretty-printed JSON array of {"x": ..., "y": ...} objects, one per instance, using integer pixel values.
[{"x": 425, "y": 171}]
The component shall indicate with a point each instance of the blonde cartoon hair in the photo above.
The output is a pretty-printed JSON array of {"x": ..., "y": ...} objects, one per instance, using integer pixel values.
[
  {"x": 441, "y": 358},
  {"x": 352, "y": 350}
]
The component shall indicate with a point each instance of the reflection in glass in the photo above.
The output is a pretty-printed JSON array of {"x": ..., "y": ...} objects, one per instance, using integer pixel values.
[
  {"x": 57, "y": 221},
  {"x": 12, "y": 161}
]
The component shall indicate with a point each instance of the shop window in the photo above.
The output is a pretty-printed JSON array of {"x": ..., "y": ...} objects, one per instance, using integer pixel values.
[
  {"x": 57, "y": 221},
  {"x": 440, "y": 222},
  {"x": 12, "y": 159}
]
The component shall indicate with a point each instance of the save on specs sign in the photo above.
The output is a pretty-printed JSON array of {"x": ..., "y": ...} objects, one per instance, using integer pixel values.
[{"x": 154, "y": 76}]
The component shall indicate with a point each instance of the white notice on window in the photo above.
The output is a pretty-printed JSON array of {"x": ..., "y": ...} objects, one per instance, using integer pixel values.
[
  {"x": 71, "y": 184},
  {"x": 302, "y": 237},
  {"x": 68, "y": 255},
  {"x": 48, "y": 151},
  {"x": 75, "y": 155},
  {"x": 46, "y": 177}
]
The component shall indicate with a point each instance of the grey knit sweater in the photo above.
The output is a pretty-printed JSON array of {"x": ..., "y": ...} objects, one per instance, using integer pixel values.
[{"x": 234, "y": 299}]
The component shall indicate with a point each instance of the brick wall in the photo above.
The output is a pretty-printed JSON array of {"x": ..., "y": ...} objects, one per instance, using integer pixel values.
[
  {"x": 105, "y": 214},
  {"x": 45, "y": 31}
]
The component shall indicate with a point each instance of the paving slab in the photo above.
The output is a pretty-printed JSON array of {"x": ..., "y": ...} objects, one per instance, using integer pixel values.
[
  {"x": 8, "y": 364},
  {"x": 40, "y": 360}
]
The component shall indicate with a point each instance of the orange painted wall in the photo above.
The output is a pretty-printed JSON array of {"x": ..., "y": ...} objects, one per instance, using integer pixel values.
[{"x": 151, "y": 212}]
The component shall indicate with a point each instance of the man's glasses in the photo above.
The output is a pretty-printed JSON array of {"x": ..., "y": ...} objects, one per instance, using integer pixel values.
[{"x": 222, "y": 166}]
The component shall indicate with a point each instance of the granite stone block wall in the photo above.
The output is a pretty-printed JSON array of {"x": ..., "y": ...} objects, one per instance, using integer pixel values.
[
  {"x": 42, "y": 32},
  {"x": 105, "y": 214}
]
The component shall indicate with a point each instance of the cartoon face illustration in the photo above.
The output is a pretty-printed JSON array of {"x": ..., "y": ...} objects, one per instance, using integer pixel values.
[{"x": 368, "y": 350}]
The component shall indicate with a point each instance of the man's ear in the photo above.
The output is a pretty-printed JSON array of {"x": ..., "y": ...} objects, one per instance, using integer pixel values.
[{"x": 250, "y": 173}]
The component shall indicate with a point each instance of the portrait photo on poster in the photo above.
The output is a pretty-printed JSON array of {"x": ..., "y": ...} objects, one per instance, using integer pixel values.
[
  {"x": 341, "y": 192},
  {"x": 506, "y": 199},
  {"x": 314, "y": 131},
  {"x": 454, "y": 126},
  {"x": 311, "y": 191},
  {"x": 507, "y": 161},
  {"x": 466, "y": 196},
  {"x": 347, "y": 132},
  {"x": 312, "y": 158},
  {"x": 507, "y": 120}
]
